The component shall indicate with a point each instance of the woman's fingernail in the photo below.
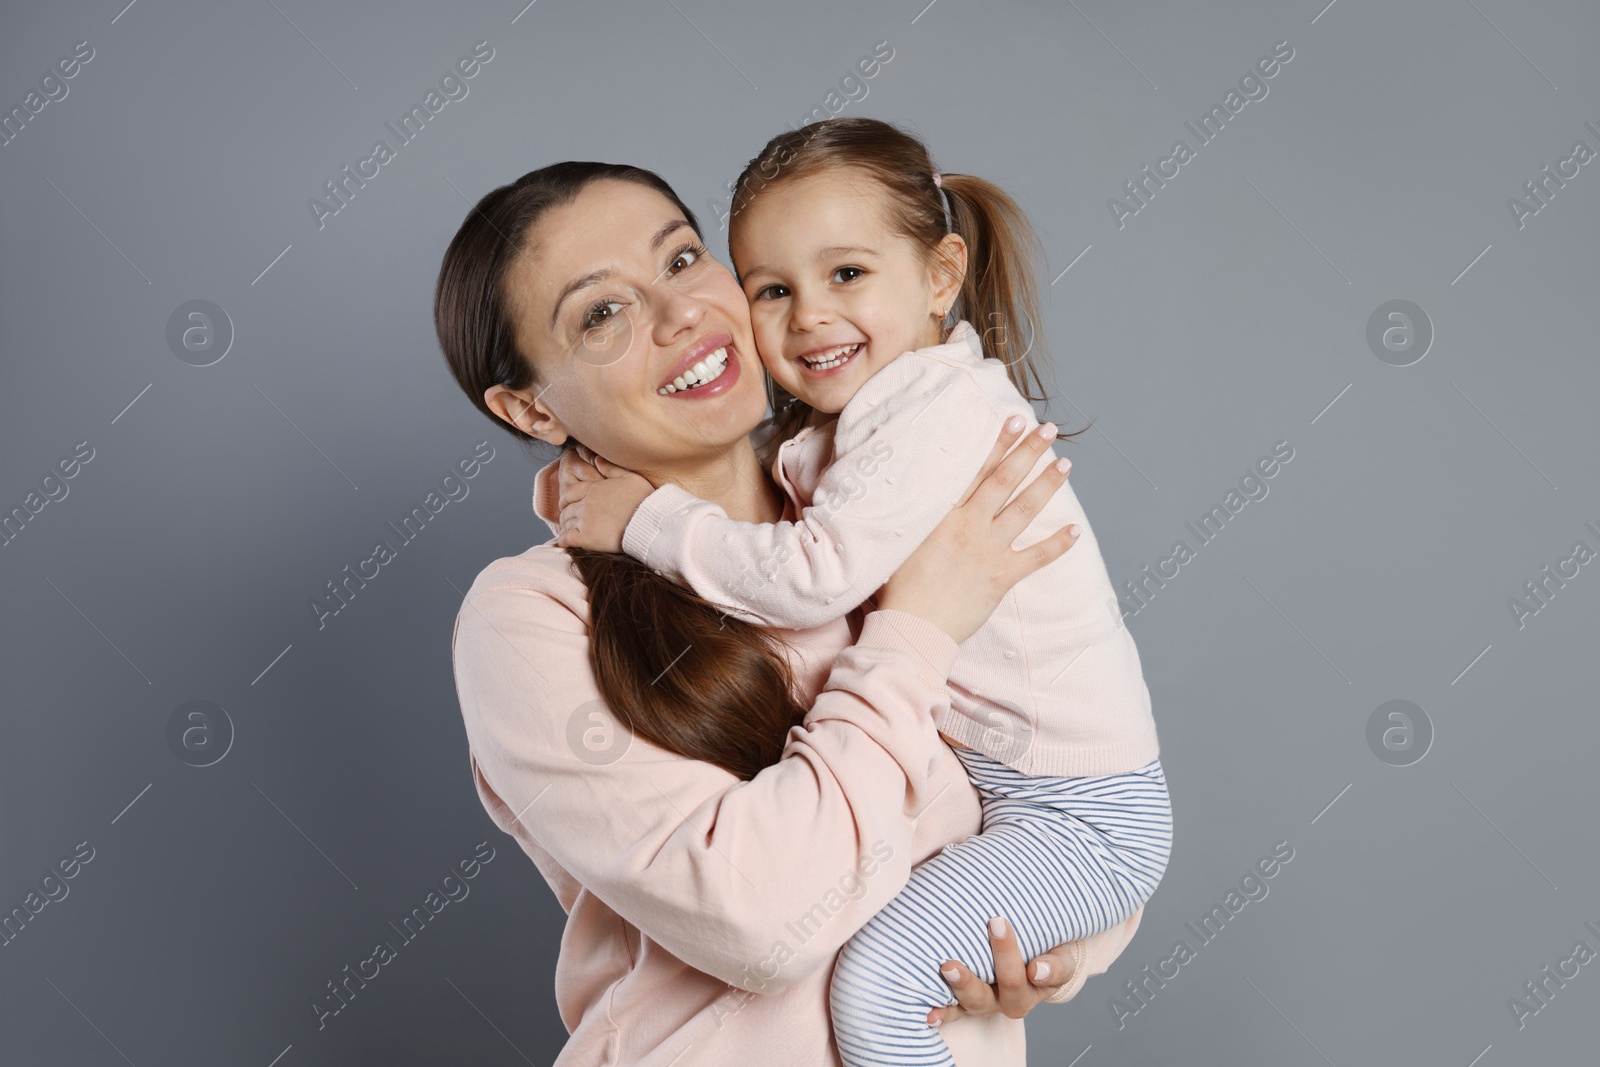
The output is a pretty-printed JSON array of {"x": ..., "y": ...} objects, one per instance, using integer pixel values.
[
  {"x": 950, "y": 974},
  {"x": 997, "y": 927},
  {"x": 1063, "y": 465},
  {"x": 1014, "y": 424},
  {"x": 1042, "y": 973},
  {"x": 1074, "y": 530},
  {"x": 1047, "y": 429}
]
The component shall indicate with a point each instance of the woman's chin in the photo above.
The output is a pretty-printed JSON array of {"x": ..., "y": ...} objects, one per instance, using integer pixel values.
[{"x": 725, "y": 418}]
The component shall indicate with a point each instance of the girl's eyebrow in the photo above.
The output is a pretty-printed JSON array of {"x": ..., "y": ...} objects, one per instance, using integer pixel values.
[{"x": 822, "y": 253}]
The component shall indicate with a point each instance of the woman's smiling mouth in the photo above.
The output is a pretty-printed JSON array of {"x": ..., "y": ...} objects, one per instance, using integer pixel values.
[{"x": 714, "y": 373}]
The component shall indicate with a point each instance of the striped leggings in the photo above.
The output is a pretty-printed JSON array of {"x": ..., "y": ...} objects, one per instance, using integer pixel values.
[{"x": 1059, "y": 858}]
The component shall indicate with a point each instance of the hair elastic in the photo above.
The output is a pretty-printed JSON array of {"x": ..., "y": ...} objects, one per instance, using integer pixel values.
[{"x": 944, "y": 202}]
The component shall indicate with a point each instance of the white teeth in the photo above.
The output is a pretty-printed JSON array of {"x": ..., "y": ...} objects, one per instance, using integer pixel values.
[
  {"x": 830, "y": 358},
  {"x": 706, "y": 370}
]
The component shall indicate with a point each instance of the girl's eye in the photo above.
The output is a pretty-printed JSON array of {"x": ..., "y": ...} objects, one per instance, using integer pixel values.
[
  {"x": 850, "y": 274},
  {"x": 600, "y": 314},
  {"x": 772, "y": 292}
]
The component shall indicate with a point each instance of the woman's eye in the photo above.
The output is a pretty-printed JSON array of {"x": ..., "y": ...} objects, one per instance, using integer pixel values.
[
  {"x": 772, "y": 292},
  {"x": 685, "y": 259},
  {"x": 847, "y": 274},
  {"x": 601, "y": 314}
]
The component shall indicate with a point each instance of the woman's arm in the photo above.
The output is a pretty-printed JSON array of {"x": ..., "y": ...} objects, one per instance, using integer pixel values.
[
  {"x": 714, "y": 869},
  {"x": 710, "y": 867}
]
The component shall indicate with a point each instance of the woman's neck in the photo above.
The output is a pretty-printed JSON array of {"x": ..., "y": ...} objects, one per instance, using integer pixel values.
[{"x": 733, "y": 480}]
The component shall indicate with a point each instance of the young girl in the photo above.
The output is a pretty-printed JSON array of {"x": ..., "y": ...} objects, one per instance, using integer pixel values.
[{"x": 855, "y": 253}]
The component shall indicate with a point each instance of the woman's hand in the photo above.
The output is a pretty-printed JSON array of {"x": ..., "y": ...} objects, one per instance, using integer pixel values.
[
  {"x": 1016, "y": 990},
  {"x": 597, "y": 499},
  {"x": 958, "y": 576}
]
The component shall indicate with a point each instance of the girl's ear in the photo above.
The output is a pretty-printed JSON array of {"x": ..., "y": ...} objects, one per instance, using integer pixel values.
[
  {"x": 949, "y": 270},
  {"x": 526, "y": 410}
]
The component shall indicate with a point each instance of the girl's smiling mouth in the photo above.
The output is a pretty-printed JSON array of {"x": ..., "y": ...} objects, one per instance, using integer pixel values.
[{"x": 825, "y": 361}]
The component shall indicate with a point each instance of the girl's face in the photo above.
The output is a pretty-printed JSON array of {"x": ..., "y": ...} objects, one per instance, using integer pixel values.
[
  {"x": 835, "y": 294},
  {"x": 615, "y": 300}
]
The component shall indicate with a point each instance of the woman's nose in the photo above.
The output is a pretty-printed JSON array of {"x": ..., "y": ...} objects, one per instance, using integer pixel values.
[{"x": 677, "y": 311}]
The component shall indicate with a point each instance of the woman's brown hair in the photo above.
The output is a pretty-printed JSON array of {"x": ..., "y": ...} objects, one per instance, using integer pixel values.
[
  {"x": 670, "y": 666},
  {"x": 998, "y": 294}
]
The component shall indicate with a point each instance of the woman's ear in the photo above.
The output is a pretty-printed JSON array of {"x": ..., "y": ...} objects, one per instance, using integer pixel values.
[
  {"x": 949, "y": 270},
  {"x": 526, "y": 410}
]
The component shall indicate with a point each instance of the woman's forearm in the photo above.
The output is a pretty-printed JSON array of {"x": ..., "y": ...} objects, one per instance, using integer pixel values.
[{"x": 718, "y": 871}]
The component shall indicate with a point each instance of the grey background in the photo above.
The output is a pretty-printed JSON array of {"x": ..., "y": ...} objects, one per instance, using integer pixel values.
[{"x": 1228, "y": 315}]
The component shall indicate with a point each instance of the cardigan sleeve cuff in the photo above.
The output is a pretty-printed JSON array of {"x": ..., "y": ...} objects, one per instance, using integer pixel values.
[
  {"x": 645, "y": 525},
  {"x": 930, "y": 648}
]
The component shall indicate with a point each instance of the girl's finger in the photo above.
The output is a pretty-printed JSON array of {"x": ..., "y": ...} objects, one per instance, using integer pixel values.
[
  {"x": 572, "y": 469},
  {"x": 569, "y": 493},
  {"x": 609, "y": 469}
]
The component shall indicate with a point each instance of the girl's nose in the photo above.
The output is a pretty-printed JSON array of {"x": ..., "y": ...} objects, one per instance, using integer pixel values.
[{"x": 809, "y": 312}]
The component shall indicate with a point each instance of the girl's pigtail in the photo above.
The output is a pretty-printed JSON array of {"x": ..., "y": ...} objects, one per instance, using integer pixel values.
[{"x": 999, "y": 296}]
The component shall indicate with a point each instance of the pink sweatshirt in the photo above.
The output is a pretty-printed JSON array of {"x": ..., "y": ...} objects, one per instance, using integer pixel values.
[
  {"x": 704, "y": 913},
  {"x": 1051, "y": 684}
]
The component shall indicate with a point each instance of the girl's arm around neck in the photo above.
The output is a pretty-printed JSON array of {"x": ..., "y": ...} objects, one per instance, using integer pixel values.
[{"x": 905, "y": 449}]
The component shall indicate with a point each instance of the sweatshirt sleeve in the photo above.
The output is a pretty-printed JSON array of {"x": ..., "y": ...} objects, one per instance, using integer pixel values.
[
  {"x": 905, "y": 449},
  {"x": 546, "y": 495},
  {"x": 711, "y": 867}
]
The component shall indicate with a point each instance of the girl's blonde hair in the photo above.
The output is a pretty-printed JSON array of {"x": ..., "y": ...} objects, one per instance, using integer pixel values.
[{"x": 998, "y": 293}]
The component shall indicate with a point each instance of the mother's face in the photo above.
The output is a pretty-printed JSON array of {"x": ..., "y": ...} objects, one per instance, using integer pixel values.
[{"x": 614, "y": 300}]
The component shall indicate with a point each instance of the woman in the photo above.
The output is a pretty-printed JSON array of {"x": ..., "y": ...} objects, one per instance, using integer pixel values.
[{"x": 718, "y": 808}]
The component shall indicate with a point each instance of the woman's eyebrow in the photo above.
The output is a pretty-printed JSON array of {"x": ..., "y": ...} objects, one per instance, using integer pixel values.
[
  {"x": 667, "y": 231},
  {"x": 671, "y": 226},
  {"x": 575, "y": 285}
]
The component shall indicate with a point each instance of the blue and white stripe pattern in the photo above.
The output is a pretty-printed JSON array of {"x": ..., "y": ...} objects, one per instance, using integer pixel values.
[{"x": 1059, "y": 858}]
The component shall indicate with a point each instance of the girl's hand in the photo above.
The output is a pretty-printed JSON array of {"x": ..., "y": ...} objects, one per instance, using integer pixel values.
[
  {"x": 958, "y": 576},
  {"x": 1016, "y": 990},
  {"x": 597, "y": 500}
]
